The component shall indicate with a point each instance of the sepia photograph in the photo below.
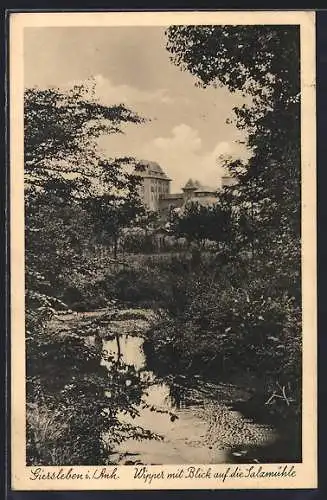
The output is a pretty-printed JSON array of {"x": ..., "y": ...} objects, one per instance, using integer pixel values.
[{"x": 162, "y": 242}]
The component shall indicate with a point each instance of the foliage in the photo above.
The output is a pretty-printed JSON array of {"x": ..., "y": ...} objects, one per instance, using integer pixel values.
[
  {"x": 135, "y": 285},
  {"x": 70, "y": 186},
  {"x": 262, "y": 62},
  {"x": 199, "y": 223},
  {"x": 61, "y": 128},
  {"x": 70, "y": 395},
  {"x": 224, "y": 325},
  {"x": 252, "y": 320},
  {"x": 112, "y": 213}
]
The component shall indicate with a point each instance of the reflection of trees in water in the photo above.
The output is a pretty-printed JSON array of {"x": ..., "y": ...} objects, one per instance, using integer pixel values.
[
  {"x": 177, "y": 394},
  {"x": 165, "y": 395}
]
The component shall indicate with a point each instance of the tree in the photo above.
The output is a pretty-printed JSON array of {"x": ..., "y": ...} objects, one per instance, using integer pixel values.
[
  {"x": 61, "y": 129},
  {"x": 199, "y": 223},
  {"x": 263, "y": 64},
  {"x": 111, "y": 214},
  {"x": 68, "y": 390},
  {"x": 149, "y": 220},
  {"x": 66, "y": 175}
]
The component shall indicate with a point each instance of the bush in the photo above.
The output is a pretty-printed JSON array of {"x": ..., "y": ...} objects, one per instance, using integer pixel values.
[
  {"x": 137, "y": 286},
  {"x": 220, "y": 329},
  {"x": 65, "y": 388}
]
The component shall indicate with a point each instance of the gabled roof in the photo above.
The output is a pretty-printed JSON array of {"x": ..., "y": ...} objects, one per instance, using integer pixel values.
[
  {"x": 151, "y": 169},
  {"x": 190, "y": 185}
]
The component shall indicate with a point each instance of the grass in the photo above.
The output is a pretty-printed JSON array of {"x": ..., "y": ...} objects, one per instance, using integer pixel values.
[{"x": 46, "y": 429}]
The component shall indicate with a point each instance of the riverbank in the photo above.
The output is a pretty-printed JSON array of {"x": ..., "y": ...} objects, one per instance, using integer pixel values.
[{"x": 215, "y": 422}]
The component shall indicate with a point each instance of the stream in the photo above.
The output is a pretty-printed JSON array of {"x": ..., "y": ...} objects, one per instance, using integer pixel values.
[{"x": 207, "y": 430}]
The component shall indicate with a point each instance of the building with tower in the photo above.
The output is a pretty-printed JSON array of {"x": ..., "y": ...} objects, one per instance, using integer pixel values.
[{"x": 155, "y": 193}]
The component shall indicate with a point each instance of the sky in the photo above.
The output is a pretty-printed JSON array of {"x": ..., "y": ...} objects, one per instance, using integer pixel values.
[{"x": 186, "y": 131}]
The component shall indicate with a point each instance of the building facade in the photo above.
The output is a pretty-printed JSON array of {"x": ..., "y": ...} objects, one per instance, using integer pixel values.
[
  {"x": 155, "y": 193},
  {"x": 155, "y": 184}
]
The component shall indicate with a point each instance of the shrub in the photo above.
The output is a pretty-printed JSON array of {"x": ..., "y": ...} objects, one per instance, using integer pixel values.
[{"x": 218, "y": 328}]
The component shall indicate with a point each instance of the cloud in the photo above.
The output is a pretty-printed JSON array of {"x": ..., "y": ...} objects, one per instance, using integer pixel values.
[
  {"x": 108, "y": 93},
  {"x": 178, "y": 154},
  {"x": 181, "y": 153},
  {"x": 182, "y": 156},
  {"x": 212, "y": 162},
  {"x": 183, "y": 137}
]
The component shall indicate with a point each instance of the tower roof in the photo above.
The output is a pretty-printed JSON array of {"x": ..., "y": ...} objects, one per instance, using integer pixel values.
[
  {"x": 151, "y": 169},
  {"x": 190, "y": 185}
]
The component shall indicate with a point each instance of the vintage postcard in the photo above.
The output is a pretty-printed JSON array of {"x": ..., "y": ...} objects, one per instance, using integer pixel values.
[{"x": 163, "y": 250}]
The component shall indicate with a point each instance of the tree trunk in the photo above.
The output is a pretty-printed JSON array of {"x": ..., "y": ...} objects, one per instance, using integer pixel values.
[
  {"x": 118, "y": 347},
  {"x": 115, "y": 246}
]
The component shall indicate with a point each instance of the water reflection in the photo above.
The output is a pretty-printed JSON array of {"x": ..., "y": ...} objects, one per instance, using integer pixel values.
[
  {"x": 165, "y": 395},
  {"x": 182, "y": 437},
  {"x": 177, "y": 395},
  {"x": 131, "y": 350},
  {"x": 186, "y": 439}
]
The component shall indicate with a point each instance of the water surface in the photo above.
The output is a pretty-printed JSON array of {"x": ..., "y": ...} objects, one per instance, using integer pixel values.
[{"x": 206, "y": 430}]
